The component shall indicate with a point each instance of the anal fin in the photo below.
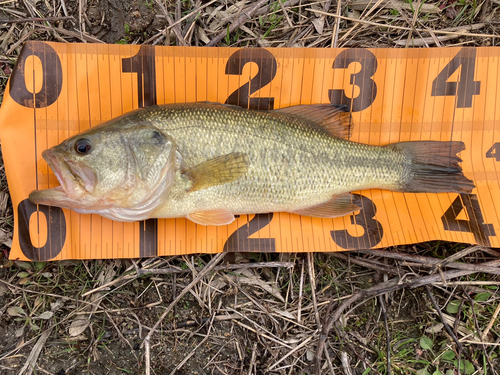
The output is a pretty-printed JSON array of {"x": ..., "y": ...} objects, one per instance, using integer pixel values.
[
  {"x": 339, "y": 205},
  {"x": 216, "y": 217}
]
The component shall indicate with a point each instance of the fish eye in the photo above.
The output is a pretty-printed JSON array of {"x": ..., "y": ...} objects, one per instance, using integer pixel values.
[{"x": 83, "y": 146}]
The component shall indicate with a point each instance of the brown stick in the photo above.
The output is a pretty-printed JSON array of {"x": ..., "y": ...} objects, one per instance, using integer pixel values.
[
  {"x": 385, "y": 287},
  {"x": 175, "y": 26},
  {"x": 44, "y": 19},
  {"x": 487, "y": 267},
  {"x": 209, "y": 267},
  {"x": 366, "y": 263}
]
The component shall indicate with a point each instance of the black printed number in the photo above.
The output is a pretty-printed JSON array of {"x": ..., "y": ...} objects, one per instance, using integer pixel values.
[
  {"x": 143, "y": 64},
  {"x": 267, "y": 70},
  {"x": 466, "y": 88},
  {"x": 239, "y": 241},
  {"x": 56, "y": 228},
  {"x": 474, "y": 225},
  {"x": 494, "y": 152},
  {"x": 373, "y": 231},
  {"x": 362, "y": 79},
  {"x": 52, "y": 76}
]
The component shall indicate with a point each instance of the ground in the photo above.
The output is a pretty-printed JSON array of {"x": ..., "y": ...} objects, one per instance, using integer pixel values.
[{"x": 392, "y": 311}]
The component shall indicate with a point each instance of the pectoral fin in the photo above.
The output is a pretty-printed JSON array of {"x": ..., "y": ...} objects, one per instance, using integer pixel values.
[
  {"x": 218, "y": 171},
  {"x": 339, "y": 205},
  {"x": 217, "y": 217}
]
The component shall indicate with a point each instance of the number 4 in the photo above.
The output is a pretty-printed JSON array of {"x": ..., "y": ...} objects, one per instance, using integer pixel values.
[
  {"x": 474, "y": 225},
  {"x": 494, "y": 152},
  {"x": 467, "y": 87}
]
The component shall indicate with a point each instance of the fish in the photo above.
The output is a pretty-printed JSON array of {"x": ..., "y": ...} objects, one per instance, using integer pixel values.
[{"x": 208, "y": 162}]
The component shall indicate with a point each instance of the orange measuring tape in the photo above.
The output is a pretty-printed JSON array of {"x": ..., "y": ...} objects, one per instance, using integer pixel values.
[{"x": 57, "y": 90}]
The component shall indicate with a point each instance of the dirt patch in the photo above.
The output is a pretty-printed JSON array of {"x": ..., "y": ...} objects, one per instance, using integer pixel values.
[{"x": 117, "y": 21}]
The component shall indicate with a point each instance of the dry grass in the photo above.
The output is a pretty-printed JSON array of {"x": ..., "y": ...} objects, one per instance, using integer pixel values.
[{"x": 428, "y": 308}]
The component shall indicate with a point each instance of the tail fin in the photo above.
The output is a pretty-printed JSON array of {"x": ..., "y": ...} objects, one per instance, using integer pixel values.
[{"x": 434, "y": 167}]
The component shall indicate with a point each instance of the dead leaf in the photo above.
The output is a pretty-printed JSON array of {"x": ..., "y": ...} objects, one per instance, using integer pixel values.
[
  {"x": 45, "y": 315},
  {"x": 309, "y": 355},
  {"x": 203, "y": 35},
  {"x": 54, "y": 306},
  {"x": 19, "y": 332},
  {"x": 318, "y": 24},
  {"x": 285, "y": 314},
  {"x": 16, "y": 311},
  {"x": 435, "y": 329},
  {"x": 6, "y": 238},
  {"x": 3, "y": 290},
  {"x": 253, "y": 279},
  {"x": 78, "y": 326}
]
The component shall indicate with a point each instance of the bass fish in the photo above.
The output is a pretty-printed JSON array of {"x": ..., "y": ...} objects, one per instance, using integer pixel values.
[{"x": 208, "y": 162}]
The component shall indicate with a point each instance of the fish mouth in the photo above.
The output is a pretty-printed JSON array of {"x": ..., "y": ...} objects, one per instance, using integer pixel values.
[{"x": 70, "y": 189}]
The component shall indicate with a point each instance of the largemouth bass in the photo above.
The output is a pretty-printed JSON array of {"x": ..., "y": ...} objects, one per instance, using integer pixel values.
[{"x": 209, "y": 162}]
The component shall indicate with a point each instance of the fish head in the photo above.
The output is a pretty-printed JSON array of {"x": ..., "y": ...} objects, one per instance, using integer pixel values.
[{"x": 121, "y": 173}]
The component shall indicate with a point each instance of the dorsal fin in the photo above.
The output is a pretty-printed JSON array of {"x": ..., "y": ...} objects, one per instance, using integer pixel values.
[{"x": 334, "y": 119}]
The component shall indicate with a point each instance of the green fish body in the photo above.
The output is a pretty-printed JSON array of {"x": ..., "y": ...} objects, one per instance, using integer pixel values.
[{"x": 209, "y": 162}]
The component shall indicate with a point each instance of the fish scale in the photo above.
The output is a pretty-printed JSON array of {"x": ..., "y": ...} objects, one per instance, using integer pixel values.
[{"x": 292, "y": 160}]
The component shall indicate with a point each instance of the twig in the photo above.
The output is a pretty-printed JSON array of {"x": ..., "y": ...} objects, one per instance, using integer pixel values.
[
  {"x": 83, "y": 37},
  {"x": 210, "y": 265},
  {"x": 344, "y": 359},
  {"x": 177, "y": 30},
  {"x": 120, "y": 334},
  {"x": 336, "y": 27},
  {"x": 173, "y": 270},
  {"x": 388, "y": 26},
  {"x": 237, "y": 22},
  {"x": 329, "y": 360},
  {"x": 485, "y": 11},
  {"x": 312, "y": 280},
  {"x": 253, "y": 359},
  {"x": 202, "y": 342},
  {"x": 447, "y": 326},
  {"x": 301, "y": 285},
  {"x": 387, "y": 333},
  {"x": 259, "y": 333},
  {"x": 190, "y": 14},
  {"x": 460, "y": 254},
  {"x": 300, "y": 346},
  {"x": 29, "y": 365},
  {"x": 37, "y": 19},
  {"x": 492, "y": 321},
  {"x": 218, "y": 268},
  {"x": 63, "y": 5},
  {"x": 285, "y": 13},
  {"x": 389, "y": 286},
  {"x": 486, "y": 267},
  {"x": 383, "y": 268}
]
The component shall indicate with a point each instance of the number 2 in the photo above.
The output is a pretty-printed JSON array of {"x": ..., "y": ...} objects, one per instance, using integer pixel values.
[
  {"x": 239, "y": 241},
  {"x": 267, "y": 70}
]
